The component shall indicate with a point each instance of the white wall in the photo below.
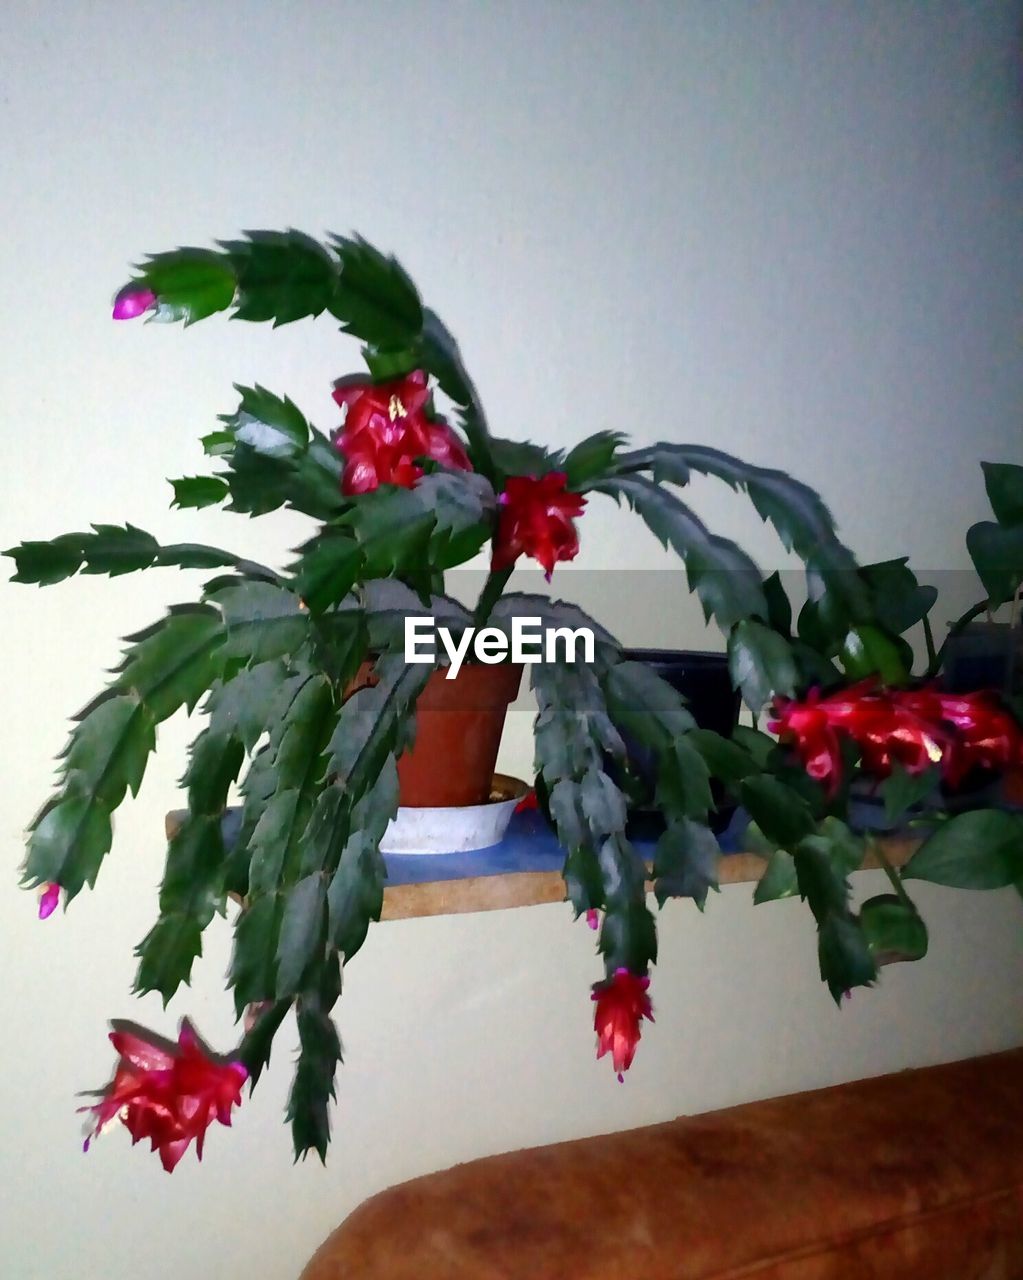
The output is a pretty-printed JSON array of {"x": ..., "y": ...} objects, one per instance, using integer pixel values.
[{"x": 789, "y": 229}]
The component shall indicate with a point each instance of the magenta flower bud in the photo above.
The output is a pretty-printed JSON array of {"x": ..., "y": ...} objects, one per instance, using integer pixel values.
[
  {"x": 49, "y": 900},
  {"x": 132, "y": 301}
]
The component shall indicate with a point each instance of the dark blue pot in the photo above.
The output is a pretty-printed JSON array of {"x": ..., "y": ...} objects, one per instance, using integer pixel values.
[{"x": 703, "y": 680}]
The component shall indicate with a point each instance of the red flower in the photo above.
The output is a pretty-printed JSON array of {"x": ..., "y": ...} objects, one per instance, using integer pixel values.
[
  {"x": 622, "y": 1003},
  {"x": 807, "y": 727},
  {"x": 981, "y": 733},
  {"x": 885, "y": 730},
  {"x": 168, "y": 1095},
  {"x": 386, "y": 431},
  {"x": 915, "y": 728},
  {"x": 536, "y": 520},
  {"x": 529, "y": 803}
]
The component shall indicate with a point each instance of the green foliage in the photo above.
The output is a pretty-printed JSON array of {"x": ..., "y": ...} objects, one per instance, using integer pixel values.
[
  {"x": 313, "y": 1089},
  {"x": 779, "y": 607},
  {"x": 260, "y": 781},
  {"x": 45, "y": 563},
  {"x": 112, "y": 550},
  {"x": 814, "y": 859},
  {"x": 268, "y": 425},
  {"x": 303, "y": 931},
  {"x": 193, "y": 885},
  {"x": 199, "y": 491},
  {"x": 1004, "y": 484},
  {"x": 893, "y": 929},
  {"x": 523, "y": 458},
  {"x": 69, "y": 842},
  {"x": 282, "y": 276},
  {"x": 408, "y": 534},
  {"x": 328, "y": 568},
  {"x": 982, "y": 849},
  {"x": 897, "y": 598},
  {"x": 726, "y": 580},
  {"x": 843, "y": 952},
  {"x": 683, "y": 782},
  {"x": 190, "y": 284},
  {"x": 761, "y": 663},
  {"x": 644, "y": 704},
  {"x": 109, "y": 748},
  {"x": 440, "y": 356},
  {"x": 356, "y": 892},
  {"x": 997, "y": 553},
  {"x": 779, "y": 879},
  {"x": 780, "y": 812},
  {"x": 592, "y": 459},
  {"x": 686, "y": 862},
  {"x": 867, "y": 651},
  {"x": 351, "y": 814},
  {"x": 997, "y": 548},
  {"x": 800, "y": 518},
  {"x": 901, "y": 790},
  {"x": 628, "y": 933},
  {"x": 173, "y": 663},
  {"x": 254, "y": 1050},
  {"x": 297, "y": 744},
  {"x": 759, "y": 746},
  {"x": 375, "y": 299},
  {"x": 724, "y": 758},
  {"x": 170, "y": 665},
  {"x": 242, "y": 706},
  {"x": 844, "y": 955},
  {"x": 463, "y": 506},
  {"x": 263, "y": 621},
  {"x": 275, "y": 458},
  {"x": 603, "y": 870}
]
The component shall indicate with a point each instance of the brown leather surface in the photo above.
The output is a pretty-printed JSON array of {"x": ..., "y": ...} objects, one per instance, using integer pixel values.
[{"x": 913, "y": 1176}]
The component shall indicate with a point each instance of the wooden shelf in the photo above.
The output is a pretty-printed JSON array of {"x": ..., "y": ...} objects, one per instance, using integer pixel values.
[
  {"x": 530, "y": 888},
  {"x": 523, "y": 871}
]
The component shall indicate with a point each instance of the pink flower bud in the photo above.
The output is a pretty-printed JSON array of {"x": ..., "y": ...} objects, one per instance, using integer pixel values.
[
  {"x": 49, "y": 900},
  {"x": 132, "y": 301}
]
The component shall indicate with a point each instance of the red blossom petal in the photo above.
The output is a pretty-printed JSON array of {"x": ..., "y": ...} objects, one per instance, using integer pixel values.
[
  {"x": 914, "y": 728},
  {"x": 622, "y": 1003},
  {"x": 536, "y": 519},
  {"x": 386, "y": 430},
  {"x": 170, "y": 1097}
]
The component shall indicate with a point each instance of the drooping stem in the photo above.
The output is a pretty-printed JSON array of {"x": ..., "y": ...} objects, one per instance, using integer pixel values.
[
  {"x": 960, "y": 624},
  {"x": 895, "y": 879},
  {"x": 932, "y": 655}
]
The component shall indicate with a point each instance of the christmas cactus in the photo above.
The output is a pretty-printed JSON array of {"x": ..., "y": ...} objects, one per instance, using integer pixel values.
[{"x": 409, "y": 483}]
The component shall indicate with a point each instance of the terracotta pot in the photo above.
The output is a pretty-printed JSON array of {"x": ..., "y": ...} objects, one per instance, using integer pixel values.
[{"x": 459, "y": 724}]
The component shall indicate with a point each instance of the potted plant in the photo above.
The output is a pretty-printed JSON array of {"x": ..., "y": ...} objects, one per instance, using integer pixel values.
[
  {"x": 311, "y": 706},
  {"x": 926, "y": 748}
]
